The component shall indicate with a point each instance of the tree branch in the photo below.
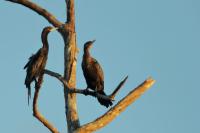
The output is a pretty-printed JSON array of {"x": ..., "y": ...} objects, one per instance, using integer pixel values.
[
  {"x": 41, "y": 11},
  {"x": 70, "y": 13},
  {"x": 88, "y": 92},
  {"x": 56, "y": 75},
  {"x": 94, "y": 94},
  {"x": 117, "y": 109},
  {"x": 112, "y": 96},
  {"x": 36, "y": 112},
  {"x": 84, "y": 91}
]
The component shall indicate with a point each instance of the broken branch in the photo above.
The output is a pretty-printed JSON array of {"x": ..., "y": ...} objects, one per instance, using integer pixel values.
[
  {"x": 117, "y": 109},
  {"x": 112, "y": 96}
]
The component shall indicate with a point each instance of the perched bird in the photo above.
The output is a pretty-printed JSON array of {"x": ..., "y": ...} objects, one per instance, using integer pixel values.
[
  {"x": 37, "y": 62},
  {"x": 93, "y": 74}
]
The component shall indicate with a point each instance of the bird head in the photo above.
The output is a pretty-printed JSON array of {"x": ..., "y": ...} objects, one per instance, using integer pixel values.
[
  {"x": 48, "y": 29},
  {"x": 88, "y": 45}
]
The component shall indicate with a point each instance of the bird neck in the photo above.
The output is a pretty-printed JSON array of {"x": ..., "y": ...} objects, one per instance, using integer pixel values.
[
  {"x": 86, "y": 53},
  {"x": 45, "y": 41}
]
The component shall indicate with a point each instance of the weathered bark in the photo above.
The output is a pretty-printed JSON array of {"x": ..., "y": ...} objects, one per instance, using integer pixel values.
[
  {"x": 117, "y": 109},
  {"x": 70, "y": 51},
  {"x": 70, "y": 76},
  {"x": 67, "y": 30}
]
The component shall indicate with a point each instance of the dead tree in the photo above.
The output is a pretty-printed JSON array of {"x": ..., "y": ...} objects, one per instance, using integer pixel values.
[{"x": 67, "y": 30}]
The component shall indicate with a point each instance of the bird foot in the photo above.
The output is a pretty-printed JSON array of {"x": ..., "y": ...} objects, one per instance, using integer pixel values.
[
  {"x": 85, "y": 92},
  {"x": 95, "y": 93},
  {"x": 37, "y": 85}
]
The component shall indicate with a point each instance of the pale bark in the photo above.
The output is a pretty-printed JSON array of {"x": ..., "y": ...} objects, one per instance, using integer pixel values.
[
  {"x": 70, "y": 76},
  {"x": 117, "y": 109},
  {"x": 67, "y": 30},
  {"x": 70, "y": 53}
]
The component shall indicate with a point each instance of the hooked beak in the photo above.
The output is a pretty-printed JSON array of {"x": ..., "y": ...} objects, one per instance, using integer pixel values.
[
  {"x": 53, "y": 29},
  {"x": 93, "y": 41},
  {"x": 61, "y": 27}
]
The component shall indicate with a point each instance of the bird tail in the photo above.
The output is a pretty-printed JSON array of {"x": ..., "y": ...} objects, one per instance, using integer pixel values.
[
  {"x": 104, "y": 102},
  {"x": 29, "y": 94},
  {"x": 28, "y": 86}
]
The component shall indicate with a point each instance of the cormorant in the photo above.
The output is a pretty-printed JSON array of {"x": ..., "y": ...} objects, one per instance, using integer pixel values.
[
  {"x": 37, "y": 62},
  {"x": 93, "y": 74}
]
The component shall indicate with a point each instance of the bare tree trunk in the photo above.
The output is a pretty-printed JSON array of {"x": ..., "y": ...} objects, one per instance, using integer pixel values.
[
  {"x": 67, "y": 30},
  {"x": 70, "y": 50},
  {"x": 70, "y": 76}
]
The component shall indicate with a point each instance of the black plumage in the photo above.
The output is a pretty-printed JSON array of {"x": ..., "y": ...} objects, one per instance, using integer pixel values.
[
  {"x": 93, "y": 74},
  {"x": 37, "y": 62}
]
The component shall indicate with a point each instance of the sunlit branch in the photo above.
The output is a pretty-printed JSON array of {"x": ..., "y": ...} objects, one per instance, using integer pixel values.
[{"x": 117, "y": 109}]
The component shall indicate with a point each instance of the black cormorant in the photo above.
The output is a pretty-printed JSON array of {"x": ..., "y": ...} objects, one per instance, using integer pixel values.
[
  {"x": 37, "y": 62},
  {"x": 93, "y": 74}
]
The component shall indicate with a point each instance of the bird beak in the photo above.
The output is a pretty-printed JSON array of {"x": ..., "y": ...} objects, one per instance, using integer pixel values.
[
  {"x": 55, "y": 28},
  {"x": 93, "y": 41},
  {"x": 61, "y": 27}
]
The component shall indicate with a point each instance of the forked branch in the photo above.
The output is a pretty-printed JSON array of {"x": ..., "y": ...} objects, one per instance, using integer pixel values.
[
  {"x": 36, "y": 112},
  {"x": 41, "y": 11},
  {"x": 117, "y": 109},
  {"x": 56, "y": 75},
  {"x": 69, "y": 79}
]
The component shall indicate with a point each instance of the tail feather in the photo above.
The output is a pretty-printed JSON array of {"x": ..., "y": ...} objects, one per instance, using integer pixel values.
[
  {"x": 28, "y": 86},
  {"x": 104, "y": 102},
  {"x": 29, "y": 94}
]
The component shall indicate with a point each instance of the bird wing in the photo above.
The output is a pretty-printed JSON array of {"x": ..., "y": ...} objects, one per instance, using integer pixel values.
[
  {"x": 29, "y": 61},
  {"x": 33, "y": 65},
  {"x": 93, "y": 74},
  {"x": 32, "y": 59},
  {"x": 97, "y": 75},
  {"x": 98, "y": 70}
]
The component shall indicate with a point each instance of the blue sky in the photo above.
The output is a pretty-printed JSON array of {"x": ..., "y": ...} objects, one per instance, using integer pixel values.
[{"x": 137, "y": 38}]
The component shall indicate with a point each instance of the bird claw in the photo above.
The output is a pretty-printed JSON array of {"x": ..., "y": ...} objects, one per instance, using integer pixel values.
[
  {"x": 85, "y": 92},
  {"x": 95, "y": 93}
]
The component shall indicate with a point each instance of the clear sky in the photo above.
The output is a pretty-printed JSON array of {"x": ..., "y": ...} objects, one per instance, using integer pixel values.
[{"x": 139, "y": 38}]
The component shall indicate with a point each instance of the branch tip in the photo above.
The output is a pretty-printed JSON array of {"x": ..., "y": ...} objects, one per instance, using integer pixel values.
[
  {"x": 118, "y": 108},
  {"x": 112, "y": 96}
]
